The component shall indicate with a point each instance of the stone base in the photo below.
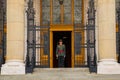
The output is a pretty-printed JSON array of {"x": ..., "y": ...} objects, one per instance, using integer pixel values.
[
  {"x": 108, "y": 67},
  {"x": 13, "y": 68}
]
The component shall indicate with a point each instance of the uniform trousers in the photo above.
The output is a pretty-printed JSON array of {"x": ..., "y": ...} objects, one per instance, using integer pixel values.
[{"x": 61, "y": 61}]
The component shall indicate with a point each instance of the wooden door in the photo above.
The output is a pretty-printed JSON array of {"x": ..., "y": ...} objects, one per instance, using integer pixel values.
[{"x": 61, "y": 18}]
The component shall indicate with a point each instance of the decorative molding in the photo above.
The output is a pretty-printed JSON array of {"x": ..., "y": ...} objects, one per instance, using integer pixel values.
[
  {"x": 13, "y": 68},
  {"x": 108, "y": 66}
]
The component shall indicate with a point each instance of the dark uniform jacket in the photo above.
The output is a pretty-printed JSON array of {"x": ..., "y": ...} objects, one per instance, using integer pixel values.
[{"x": 60, "y": 50}]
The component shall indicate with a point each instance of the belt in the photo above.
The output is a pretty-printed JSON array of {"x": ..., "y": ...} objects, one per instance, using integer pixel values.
[{"x": 60, "y": 51}]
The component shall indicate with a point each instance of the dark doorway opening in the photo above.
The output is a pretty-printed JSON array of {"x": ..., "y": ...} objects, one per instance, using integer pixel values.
[{"x": 66, "y": 37}]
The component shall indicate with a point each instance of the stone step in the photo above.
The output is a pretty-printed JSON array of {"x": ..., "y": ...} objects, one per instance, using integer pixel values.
[
  {"x": 61, "y": 70},
  {"x": 61, "y": 74}
]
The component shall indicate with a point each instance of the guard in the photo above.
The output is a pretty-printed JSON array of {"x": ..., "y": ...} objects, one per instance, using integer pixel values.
[{"x": 60, "y": 53}]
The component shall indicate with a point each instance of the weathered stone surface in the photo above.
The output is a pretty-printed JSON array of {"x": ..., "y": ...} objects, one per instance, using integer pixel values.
[{"x": 61, "y": 74}]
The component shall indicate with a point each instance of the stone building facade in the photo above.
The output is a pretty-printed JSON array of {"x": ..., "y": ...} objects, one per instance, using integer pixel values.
[{"x": 61, "y": 17}]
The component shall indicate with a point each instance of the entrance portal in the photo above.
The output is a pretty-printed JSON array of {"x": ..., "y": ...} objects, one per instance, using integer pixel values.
[{"x": 66, "y": 37}]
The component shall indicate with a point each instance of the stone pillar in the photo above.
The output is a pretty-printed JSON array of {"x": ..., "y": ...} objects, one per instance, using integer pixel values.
[
  {"x": 15, "y": 38},
  {"x": 107, "y": 37},
  {"x": 86, "y": 4},
  {"x": 37, "y": 12},
  {"x": 37, "y": 23}
]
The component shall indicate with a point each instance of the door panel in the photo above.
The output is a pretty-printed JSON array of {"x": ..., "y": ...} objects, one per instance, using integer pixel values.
[{"x": 79, "y": 48}]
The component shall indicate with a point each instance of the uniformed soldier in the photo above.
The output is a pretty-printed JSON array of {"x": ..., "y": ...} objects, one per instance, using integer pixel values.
[{"x": 60, "y": 53}]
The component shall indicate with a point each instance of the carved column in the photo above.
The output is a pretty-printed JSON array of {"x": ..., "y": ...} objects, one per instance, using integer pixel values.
[
  {"x": 37, "y": 12},
  {"x": 37, "y": 23},
  {"x": 107, "y": 37},
  {"x": 15, "y": 38}
]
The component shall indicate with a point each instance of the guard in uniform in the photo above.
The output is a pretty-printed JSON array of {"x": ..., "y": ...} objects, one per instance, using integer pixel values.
[{"x": 60, "y": 53}]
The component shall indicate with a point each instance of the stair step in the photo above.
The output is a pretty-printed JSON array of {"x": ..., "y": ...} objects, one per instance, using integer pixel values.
[
  {"x": 65, "y": 70},
  {"x": 61, "y": 74}
]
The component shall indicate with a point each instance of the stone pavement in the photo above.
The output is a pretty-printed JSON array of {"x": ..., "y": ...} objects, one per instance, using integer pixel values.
[{"x": 61, "y": 74}]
